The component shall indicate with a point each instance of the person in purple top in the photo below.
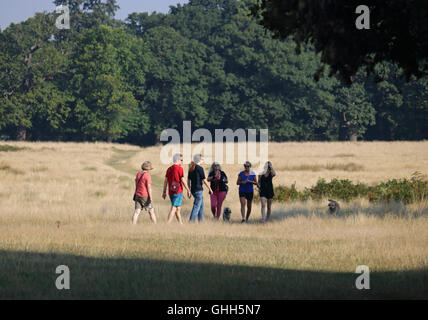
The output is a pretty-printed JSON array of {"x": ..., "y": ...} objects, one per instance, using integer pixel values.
[{"x": 246, "y": 181}]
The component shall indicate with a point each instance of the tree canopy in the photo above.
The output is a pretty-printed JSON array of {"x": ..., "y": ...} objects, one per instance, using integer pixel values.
[
  {"x": 398, "y": 32},
  {"x": 208, "y": 61}
]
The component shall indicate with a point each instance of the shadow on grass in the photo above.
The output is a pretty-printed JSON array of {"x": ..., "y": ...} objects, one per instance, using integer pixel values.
[
  {"x": 395, "y": 209},
  {"x": 30, "y": 275}
]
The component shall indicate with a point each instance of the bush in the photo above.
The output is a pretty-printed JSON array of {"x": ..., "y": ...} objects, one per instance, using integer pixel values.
[
  {"x": 8, "y": 148},
  {"x": 404, "y": 190}
]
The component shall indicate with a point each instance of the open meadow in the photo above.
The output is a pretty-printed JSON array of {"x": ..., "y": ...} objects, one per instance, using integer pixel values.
[{"x": 71, "y": 204}]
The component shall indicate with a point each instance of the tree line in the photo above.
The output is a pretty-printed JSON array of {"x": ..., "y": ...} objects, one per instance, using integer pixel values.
[{"x": 208, "y": 61}]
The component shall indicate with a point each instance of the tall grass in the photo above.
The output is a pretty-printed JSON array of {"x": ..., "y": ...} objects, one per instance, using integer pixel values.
[{"x": 66, "y": 214}]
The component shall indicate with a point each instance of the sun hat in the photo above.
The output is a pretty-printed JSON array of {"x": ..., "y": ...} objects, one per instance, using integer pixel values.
[{"x": 147, "y": 165}]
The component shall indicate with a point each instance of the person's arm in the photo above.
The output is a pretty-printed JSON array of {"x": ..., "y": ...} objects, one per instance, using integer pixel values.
[
  {"x": 273, "y": 172},
  {"x": 255, "y": 180},
  {"x": 210, "y": 177},
  {"x": 225, "y": 178},
  {"x": 189, "y": 194},
  {"x": 149, "y": 191},
  {"x": 165, "y": 184},
  {"x": 208, "y": 186},
  {"x": 136, "y": 182},
  {"x": 239, "y": 181}
]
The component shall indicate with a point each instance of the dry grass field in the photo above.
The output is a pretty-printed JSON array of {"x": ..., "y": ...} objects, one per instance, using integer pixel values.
[{"x": 70, "y": 204}]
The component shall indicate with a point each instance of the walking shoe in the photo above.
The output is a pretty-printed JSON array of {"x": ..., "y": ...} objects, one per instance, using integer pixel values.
[{"x": 243, "y": 220}]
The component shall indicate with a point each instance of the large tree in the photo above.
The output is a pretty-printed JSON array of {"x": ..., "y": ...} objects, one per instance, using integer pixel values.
[
  {"x": 30, "y": 68},
  {"x": 108, "y": 76},
  {"x": 398, "y": 32}
]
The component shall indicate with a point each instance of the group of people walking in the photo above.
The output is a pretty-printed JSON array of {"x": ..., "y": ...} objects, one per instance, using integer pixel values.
[{"x": 216, "y": 182}]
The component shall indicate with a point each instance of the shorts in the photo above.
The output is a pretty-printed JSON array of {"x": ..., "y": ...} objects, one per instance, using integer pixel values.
[
  {"x": 266, "y": 194},
  {"x": 143, "y": 203},
  {"x": 247, "y": 195},
  {"x": 176, "y": 199}
]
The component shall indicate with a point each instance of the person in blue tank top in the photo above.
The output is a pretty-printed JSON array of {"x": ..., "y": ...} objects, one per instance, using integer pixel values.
[{"x": 246, "y": 181}]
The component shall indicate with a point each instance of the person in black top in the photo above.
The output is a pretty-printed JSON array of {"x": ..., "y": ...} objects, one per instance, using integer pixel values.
[
  {"x": 266, "y": 190},
  {"x": 218, "y": 180},
  {"x": 195, "y": 178}
]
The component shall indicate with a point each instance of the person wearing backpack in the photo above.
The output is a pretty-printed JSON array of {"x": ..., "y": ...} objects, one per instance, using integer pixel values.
[
  {"x": 174, "y": 179},
  {"x": 143, "y": 193},
  {"x": 195, "y": 179}
]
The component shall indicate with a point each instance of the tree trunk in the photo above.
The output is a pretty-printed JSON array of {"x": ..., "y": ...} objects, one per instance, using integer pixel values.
[
  {"x": 21, "y": 133},
  {"x": 353, "y": 137},
  {"x": 342, "y": 133},
  {"x": 157, "y": 139}
]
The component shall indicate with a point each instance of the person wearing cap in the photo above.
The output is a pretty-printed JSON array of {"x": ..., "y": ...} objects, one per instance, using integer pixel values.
[
  {"x": 143, "y": 193},
  {"x": 246, "y": 181}
]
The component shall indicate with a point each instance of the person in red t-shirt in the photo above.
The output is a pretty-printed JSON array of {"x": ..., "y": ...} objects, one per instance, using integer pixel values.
[
  {"x": 143, "y": 193},
  {"x": 174, "y": 179}
]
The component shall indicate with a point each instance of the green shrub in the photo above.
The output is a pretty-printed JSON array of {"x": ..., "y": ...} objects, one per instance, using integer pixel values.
[
  {"x": 403, "y": 190},
  {"x": 8, "y": 148}
]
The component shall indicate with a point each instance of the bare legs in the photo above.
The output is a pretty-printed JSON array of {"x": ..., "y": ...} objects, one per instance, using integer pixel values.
[
  {"x": 152, "y": 215},
  {"x": 243, "y": 202},
  {"x": 137, "y": 213},
  {"x": 269, "y": 208},
  {"x": 175, "y": 211},
  {"x": 249, "y": 204},
  {"x": 265, "y": 202},
  {"x": 135, "y": 216}
]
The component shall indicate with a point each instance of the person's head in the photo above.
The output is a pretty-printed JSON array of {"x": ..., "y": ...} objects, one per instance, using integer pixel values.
[
  {"x": 197, "y": 159},
  {"x": 215, "y": 167},
  {"x": 247, "y": 166},
  {"x": 146, "y": 166},
  {"x": 177, "y": 159},
  {"x": 267, "y": 167}
]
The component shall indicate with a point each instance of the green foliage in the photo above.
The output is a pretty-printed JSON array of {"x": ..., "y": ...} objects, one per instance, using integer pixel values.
[
  {"x": 207, "y": 61},
  {"x": 404, "y": 190},
  {"x": 106, "y": 107},
  {"x": 398, "y": 32},
  {"x": 8, "y": 148}
]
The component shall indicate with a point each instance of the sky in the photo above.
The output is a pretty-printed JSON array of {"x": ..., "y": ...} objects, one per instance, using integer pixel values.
[{"x": 20, "y": 10}]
